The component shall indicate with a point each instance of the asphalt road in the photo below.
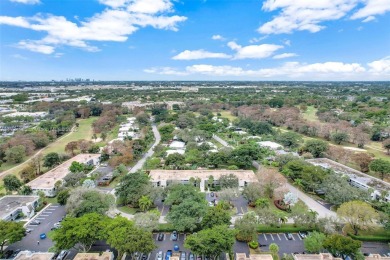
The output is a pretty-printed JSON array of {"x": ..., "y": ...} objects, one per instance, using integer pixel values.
[
  {"x": 48, "y": 217},
  {"x": 149, "y": 153}
]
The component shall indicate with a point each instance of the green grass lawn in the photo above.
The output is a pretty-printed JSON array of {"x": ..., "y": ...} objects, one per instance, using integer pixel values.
[
  {"x": 84, "y": 131},
  {"x": 374, "y": 234},
  {"x": 310, "y": 114},
  {"x": 227, "y": 114}
]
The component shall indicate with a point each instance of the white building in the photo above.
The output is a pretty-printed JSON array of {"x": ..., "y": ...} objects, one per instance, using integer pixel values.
[
  {"x": 12, "y": 205},
  {"x": 177, "y": 145},
  {"x": 163, "y": 178},
  {"x": 47, "y": 182},
  {"x": 270, "y": 145}
]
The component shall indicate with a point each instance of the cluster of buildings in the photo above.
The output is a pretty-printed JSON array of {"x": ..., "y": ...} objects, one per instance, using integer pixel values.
[
  {"x": 129, "y": 129},
  {"x": 24, "y": 255},
  {"x": 356, "y": 178},
  {"x": 138, "y": 104}
]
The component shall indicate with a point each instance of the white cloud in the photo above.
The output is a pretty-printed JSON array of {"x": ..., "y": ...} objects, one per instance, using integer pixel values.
[
  {"x": 254, "y": 51},
  {"x": 284, "y": 55},
  {"x": 369, "y": 19},
  {"x": 200, "y": 54},
  {"x": 372, "y": 8},
  {"x": 29, "y": 2},
  {"x": 309, "y": 15},
  {"x": 218, "y": 37},
  {"x": 336, "y": 70},
  {"x": 303, "y": 14},
  {"x": 113, "y": 24},
  {"x": 380, "y": 67},
  {"x": 35, "y": 47}
]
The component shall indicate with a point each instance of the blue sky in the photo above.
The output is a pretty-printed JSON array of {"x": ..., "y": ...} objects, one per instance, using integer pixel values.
[{"x": 195, "y": 39}]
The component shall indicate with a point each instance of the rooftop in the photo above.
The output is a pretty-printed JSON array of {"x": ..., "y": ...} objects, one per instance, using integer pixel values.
[
  {"x": 47, "y": 180},
  {"x": 11, "y": 202},
  {"x": 94, "y": 256},
  {"x": 322, "y": 256},
  {"x": 34, "y": 255},
  {"x": 270, "y": 144},
  {"x": 242, "y": 256},
  {"x": 157, "y": 175}
]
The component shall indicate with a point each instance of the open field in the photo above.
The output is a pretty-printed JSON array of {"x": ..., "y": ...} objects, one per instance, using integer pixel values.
[
  {"x": 227, "y": 114},
  {"x": 310, "y": 114},
  {"x": 84, "y": 131}
]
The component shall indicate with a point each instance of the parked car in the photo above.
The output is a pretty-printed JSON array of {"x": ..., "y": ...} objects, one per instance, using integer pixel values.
[
  {"x": 302, "y": 234},
  {"x": 35, "y": 222},
  {"x": 191, "y": 256},
  {"x": 160, "y": 255},
  {"x": 144, "y": 257},
  {"x": 289, "y": 236},
  {"x": 168, "y": 255},
  {"x": 160, "y": 237},
  {"x": 62, "y": 254},
  {"x": 183, "y": 256},
  {"x": 212, "y": 194},
  {"x": 174, "y": 236}
]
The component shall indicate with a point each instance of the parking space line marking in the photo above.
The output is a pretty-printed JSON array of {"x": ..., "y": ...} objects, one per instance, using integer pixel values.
[
  {"x": 278, "y": 236},
  {"x": 293, "y": 237},
  {"x": 285, "y": 236},
  {"x": 272, "y": 237},
  {"x": 265, "y": 237},
  {"x": 299, "y": 237}
]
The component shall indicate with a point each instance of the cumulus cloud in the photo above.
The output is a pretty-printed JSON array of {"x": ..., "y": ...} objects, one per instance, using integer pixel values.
[
  {"x": 372, "y": 8},
  {"x": 200, "y": 54},
  {"x": 253, "y": 51},
  {"x": 380, "y": 67},
  {"x": 284, "y": 55},
  {"x": 288, "y": 69},
  {"x": 217, "y": 37},
  {"x": 308, "y": 15},
  {"x": 29, "y": 2},
  {"x": 121, "y": 19}
]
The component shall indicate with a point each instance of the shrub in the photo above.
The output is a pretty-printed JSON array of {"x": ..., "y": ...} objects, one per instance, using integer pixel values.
[
  {"x": 242, "y": 238},
  {"x": 253, "y": 244}
]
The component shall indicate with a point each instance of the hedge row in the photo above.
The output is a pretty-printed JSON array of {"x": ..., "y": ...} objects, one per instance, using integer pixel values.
[
  {"x": 284, "y": 228},
  {"x": 370, "y": 238}
]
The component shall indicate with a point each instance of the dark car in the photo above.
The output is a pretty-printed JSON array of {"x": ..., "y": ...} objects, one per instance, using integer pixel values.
[
  {"x": 302, "y": 234},
  {"x": 16, "y": 252},
  {"x": 35, "y": 222},
  {"x": 62, "y": 254},
  {"x": 174, "y": 236},
  {"x": 8, "y": 254},
  {"x": 168, "y": 255},
  {"x": 144, "y": 257},
  {"x": 212, "y": 194},
  {"x": 289, "y": 236},
  {"x": 160, "y": 237}
]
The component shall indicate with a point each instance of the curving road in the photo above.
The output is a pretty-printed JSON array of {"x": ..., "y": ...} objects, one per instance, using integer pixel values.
[
  {"x": 310, "y": 202},
  {"x": 149, "y": 153}
]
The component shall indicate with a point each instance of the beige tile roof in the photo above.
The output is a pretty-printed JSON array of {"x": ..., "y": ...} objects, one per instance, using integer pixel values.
[
  {"x": 157, "y": 175},
  {"x": 24, "y": 255},
  {"x": 94, "y": 256},
  {"x": 48, "y": 179}
]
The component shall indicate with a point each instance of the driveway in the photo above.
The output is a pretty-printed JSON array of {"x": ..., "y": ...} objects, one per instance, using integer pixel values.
[
  {"x": 47, "y": 217},
  {"x": 311, "y": 203}
]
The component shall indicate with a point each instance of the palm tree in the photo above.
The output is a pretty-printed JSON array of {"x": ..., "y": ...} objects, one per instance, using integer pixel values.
[{"x": 145, "y": 203}]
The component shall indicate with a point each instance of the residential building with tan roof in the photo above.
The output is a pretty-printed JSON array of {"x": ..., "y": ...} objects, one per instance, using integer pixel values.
[
  {"x": 94, "y": 256},
  {"x": 322, "y": 256},
  {"x": 163, "y": 178},
  {"x": 28, "y": 255},
  {"x": 46, "y": 182}
]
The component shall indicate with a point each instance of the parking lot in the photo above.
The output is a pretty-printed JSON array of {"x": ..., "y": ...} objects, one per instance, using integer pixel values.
[
  {"x": 47, "y": 217},
  {"x": 239, "y": 203},
  {"x": 295, "y": 245}
]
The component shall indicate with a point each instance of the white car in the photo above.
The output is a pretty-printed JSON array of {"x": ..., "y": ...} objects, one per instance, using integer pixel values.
[{"x": 160, "y": 255}]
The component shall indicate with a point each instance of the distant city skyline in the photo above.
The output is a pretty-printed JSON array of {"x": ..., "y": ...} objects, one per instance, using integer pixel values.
[{"x": 254, "y": 40}]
